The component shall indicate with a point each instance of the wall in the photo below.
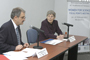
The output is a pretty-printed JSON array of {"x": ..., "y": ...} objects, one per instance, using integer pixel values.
[
  {"x": 35, "y": 12},
  {"x": 73, "y": 0},
  {"x": 61, "y": 13},
  {"x": 60, "y": 7}
]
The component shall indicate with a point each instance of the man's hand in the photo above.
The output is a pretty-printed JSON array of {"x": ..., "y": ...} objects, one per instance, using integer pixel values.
[
  {"x": 26, "y": 45},
  {"x": 18, "y": 47}
]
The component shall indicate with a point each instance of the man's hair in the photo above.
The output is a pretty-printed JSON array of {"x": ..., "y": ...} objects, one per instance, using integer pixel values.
[
  {"x": 16, "y": 12},
  {"x": 51, "y": 12}
]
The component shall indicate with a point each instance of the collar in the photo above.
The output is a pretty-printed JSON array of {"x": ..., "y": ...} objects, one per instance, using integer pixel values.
[{"x": 15, "y": 26}]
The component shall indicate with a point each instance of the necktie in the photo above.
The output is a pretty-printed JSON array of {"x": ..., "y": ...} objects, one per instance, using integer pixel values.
[{"x": 18, "y": 36}]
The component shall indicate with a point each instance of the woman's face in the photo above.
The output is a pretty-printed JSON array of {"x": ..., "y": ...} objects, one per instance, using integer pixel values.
[{"x": 50, "y": 18}]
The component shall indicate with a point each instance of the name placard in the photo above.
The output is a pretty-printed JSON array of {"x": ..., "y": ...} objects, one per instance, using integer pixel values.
[
  {"x": 41, "y": 53},
  {"x": 72, "y": 38}
]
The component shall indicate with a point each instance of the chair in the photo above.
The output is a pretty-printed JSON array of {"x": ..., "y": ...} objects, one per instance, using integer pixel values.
[{"x": 32, "y": 35}]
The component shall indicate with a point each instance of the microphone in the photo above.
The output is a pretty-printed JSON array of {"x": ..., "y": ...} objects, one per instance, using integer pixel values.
[
  {"x": 39, "y": 30},
  {"x": 67, "y": 24}
]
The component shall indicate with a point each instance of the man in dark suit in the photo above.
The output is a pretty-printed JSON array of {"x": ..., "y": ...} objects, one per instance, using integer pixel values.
[{"x": 10, "y": 35}]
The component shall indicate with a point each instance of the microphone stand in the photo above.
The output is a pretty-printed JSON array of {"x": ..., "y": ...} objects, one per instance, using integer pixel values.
[
  {"x": 67, "y": 29},
  {"x": 38, "y": 47},
  {"x": 67, "y": 32}
]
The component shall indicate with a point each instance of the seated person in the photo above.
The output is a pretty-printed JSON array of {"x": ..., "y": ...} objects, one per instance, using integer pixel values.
[
  {"x": 50, "y": 26},
  {"x": 10, "y": 34}
]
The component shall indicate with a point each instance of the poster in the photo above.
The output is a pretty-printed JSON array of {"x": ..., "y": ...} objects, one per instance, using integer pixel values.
[{"x": 78, "y": 14}]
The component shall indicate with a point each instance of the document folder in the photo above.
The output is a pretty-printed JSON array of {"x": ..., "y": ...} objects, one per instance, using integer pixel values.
[{"x": 46, "y": 40}]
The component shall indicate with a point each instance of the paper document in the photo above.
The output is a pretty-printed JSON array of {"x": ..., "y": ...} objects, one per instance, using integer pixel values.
[
  {"x": 21, "y": 55},
  {"x": 52, "y": 41},
  {"x": 30, "y": 51},
  {"x": 12, "y": 55},
  {"x": 65, "y": 39}
]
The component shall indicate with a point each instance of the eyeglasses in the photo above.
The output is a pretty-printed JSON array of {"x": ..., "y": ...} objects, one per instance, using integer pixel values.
[{"x": 23, "y": 17}]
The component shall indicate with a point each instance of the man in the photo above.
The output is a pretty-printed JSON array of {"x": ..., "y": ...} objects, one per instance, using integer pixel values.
[{"x": 10, "y": 35}]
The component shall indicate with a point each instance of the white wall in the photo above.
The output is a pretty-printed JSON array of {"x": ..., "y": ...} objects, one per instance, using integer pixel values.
[
  {"x": 73, "y": 0},
  {"x": 61, "y": 13},
  {"x": 35, "y": 12}
]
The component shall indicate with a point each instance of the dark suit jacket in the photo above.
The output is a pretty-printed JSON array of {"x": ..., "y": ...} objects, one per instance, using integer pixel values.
[
  {"x": 8, "y": 38},
  {"x": 49, "y": 30}
]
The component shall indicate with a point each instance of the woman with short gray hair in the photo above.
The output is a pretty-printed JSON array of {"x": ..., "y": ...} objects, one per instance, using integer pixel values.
[
  {"x": 50, "y": 26},
  {"x": 51, "y": 12}
]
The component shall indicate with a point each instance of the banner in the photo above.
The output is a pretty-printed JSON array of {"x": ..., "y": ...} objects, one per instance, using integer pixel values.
[{"x": 79, "y": 15}]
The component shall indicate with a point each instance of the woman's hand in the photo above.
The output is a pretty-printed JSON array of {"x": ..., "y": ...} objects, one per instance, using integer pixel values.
[{"x": 60, "y": 37}]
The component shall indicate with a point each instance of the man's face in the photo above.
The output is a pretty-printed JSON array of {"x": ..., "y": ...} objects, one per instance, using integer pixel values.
[
  {"x": 19, "y": 20},
  {"x": 50, "y": 18}
]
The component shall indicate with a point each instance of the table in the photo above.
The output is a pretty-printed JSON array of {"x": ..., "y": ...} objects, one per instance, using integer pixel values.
[
  {"x": 53, "y": 51},
  {"x": 57, "y": 50},
  {"x": 72, "y": 46}
]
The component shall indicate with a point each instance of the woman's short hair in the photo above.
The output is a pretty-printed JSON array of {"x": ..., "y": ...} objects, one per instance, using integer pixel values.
[
  {"x": 16, "y": 12},
  {"x": 51, "y": 12}
]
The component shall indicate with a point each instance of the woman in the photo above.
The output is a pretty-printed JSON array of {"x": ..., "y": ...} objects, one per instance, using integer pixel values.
[{"x": 50, "y": 26}]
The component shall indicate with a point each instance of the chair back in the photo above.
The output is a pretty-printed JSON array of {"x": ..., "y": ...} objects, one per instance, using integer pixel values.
[{"x": 32, "y": 35}]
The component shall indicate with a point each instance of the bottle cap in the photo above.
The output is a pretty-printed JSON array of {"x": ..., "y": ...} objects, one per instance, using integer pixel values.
[{"x": 65, "y": 32}]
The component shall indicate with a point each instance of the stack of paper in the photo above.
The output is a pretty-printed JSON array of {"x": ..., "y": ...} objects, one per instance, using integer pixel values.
[
  {"x": 15, "y": 55},
  {"x": 21, "y": 55},
  {"x": 52, "y": 41},
  {"x": 30, "y": 51}
]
